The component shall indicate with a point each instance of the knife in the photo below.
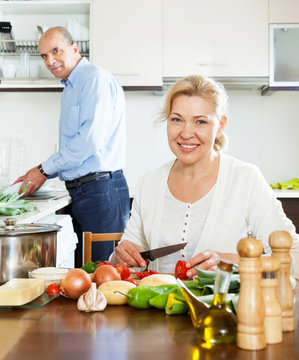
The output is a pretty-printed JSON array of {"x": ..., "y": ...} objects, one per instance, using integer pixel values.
[{"x": 154, "y": 254}]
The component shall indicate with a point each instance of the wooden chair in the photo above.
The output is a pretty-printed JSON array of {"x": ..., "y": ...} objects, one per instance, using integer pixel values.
[{"x": 89, "y": 238}]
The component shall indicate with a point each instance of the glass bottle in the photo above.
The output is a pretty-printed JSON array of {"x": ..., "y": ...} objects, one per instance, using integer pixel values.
[{"x": 219, "y": 325}]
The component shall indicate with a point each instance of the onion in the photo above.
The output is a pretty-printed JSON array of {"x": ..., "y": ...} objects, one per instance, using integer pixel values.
[
  {"x": 75, "y": 283},
  {"x": 106, "y": 273}
]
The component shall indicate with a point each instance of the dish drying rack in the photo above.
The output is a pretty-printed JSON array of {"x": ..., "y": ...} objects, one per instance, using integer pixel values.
[{"x": 15, "y": 47}]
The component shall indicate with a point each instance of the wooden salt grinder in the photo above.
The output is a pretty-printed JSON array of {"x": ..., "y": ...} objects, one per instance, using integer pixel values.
[
  {"x": 272, "y": 322},
  {"x": 280, "y": 242},
  {"x": 250, "y": 309}
]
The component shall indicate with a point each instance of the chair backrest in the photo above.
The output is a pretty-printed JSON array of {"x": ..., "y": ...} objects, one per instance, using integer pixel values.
[{"x": 89, "y": 238}]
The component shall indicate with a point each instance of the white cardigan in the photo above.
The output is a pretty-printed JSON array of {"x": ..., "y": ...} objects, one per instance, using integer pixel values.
[{"x": 242, "y": 200}]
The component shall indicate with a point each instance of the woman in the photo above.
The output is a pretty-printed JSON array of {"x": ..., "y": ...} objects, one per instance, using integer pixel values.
[{"x": 203, "y": 197}]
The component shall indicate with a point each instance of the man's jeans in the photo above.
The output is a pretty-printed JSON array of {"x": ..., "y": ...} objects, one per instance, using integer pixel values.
[{"x": 100, "y": 206}]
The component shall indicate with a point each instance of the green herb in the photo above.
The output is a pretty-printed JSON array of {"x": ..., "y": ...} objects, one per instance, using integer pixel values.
[{"x": 12, "y": 205}]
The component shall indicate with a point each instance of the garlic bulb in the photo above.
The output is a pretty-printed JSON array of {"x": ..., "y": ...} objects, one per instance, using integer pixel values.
[{"x": 92, "y": 300}]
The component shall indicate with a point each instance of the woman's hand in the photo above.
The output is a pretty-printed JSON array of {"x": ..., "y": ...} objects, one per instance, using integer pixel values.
[
  {"x": 206, "y": 260},
  {"x": 128, "y": 254}
]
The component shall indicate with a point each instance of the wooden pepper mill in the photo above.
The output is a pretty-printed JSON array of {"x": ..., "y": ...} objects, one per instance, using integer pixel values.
[
  {"x": 250, "y": 309},
  {"x": 281, "y": 242},
  {"x": 272, "y": 322}
]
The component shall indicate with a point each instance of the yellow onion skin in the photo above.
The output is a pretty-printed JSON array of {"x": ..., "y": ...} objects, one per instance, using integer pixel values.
[
  {"x": 105, "y": 273},
  {"x": 75, "y": 283}
]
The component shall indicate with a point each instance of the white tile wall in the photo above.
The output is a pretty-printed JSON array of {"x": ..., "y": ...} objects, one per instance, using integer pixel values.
[{"x": 262, "y": 130}]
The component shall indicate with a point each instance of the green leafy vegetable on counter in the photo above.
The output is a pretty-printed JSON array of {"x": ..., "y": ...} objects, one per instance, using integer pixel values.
[
  {"x": 205, "y": 277},
  {"x": 12, "y": 205}
]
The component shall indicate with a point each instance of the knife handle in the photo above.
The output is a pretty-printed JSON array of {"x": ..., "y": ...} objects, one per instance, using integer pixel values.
[{"x": 147, "y": 255}]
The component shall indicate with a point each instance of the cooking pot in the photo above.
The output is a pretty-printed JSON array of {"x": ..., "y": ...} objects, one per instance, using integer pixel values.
[{"x": 25, "y": 247}]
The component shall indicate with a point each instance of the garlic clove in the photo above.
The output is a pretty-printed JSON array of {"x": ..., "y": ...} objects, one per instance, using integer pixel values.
[
  {"x": 81, "y": 304},
  {"x": 92, "y": 300}
]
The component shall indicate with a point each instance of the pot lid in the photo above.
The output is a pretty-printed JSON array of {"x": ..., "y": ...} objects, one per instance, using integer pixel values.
[{"x": 12, "y": 229}]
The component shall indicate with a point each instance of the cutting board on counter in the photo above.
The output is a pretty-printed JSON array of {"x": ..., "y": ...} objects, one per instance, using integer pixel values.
[{"x": 46, "y": 195}]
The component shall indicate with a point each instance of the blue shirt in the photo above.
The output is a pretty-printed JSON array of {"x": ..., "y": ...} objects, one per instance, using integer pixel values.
[{"x": 92, "y": 133}]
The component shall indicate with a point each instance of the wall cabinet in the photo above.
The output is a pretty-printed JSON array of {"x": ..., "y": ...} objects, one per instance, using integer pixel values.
[
  {"x": 216, "y": 38},
  {"x": 127, "y": 40},
  {"x": 286, "y": 11},
  {"x": 25, "y": 17}
]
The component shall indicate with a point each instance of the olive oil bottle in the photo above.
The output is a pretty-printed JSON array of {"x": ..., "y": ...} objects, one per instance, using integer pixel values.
[
  {"x": 197, "y": 308},
  {"x": 218, "y": 325}
]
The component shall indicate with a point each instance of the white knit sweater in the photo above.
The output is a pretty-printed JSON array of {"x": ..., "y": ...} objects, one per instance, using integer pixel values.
[{"x": 242, "y": 200}]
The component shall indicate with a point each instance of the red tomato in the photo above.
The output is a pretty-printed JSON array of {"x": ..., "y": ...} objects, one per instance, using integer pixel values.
[
  {"x": 104, "y": 263},
  {"x": 124, "y": 271},
  {"x": 53, "y": 289},
  {"x": 181, "y": 270},
  {"x": 143, "y": 274},
  {"x": 132, "y": 281}
]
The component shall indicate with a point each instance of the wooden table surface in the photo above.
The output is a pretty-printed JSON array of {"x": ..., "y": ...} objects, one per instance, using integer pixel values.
[{"x": 59, "y": 331}]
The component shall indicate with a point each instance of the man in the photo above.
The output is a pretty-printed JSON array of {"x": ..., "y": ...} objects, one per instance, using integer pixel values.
[{"x": 91, "y": 142}]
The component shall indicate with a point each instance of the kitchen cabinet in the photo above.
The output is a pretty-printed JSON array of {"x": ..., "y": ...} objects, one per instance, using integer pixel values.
[
  {"x": 286, "y": 11},
  {"x": 127, "y": 40},
  {"x": 25, "y": 17},
  {"x": 216, "y": 38}
]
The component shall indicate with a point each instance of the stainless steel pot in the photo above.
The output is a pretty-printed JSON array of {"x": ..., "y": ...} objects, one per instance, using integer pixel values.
[{"x": 25, "y": 247}]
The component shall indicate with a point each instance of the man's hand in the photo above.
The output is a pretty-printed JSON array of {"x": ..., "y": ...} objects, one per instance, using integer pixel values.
[{"x": 36, "y": 179}]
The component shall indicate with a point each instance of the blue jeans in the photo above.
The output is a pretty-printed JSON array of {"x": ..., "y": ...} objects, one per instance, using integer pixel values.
[{"x": 100, "y": 206}]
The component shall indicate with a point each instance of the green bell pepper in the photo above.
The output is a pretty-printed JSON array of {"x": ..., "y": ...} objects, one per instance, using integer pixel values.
[
  {"x": 160, "y": 301},
  {"x": 89, "y": 267},
  {"x": 140, "y": 296},
  {"x": 174, "y": 306}
]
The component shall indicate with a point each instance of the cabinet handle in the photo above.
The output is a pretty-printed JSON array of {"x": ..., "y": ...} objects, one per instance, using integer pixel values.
[
  {"x": 126, "y": 74},
  {"x": 211, "y": 63}
]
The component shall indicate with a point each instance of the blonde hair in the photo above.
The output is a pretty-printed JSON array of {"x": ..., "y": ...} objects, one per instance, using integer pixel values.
[{"x": 197, "y": 85}]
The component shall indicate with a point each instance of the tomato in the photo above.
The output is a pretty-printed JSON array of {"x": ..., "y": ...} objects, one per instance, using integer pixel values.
[
  {"x": 124, "y": 271},
  {"x": 132, "y": 281},
  {"x": 181, "y": 270},
  {"x": 143, "y": 274},
  {"x": 53, "y": 289},
  {"x": 104, "y": 263}
]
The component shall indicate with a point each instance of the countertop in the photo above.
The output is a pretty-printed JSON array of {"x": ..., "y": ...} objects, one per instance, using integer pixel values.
[
  {"x": 44, "y": 208},
  {"x": 286, "y": 193},
  {"x": 59, "y": 331},
  {"x": 47, "y": 207}
]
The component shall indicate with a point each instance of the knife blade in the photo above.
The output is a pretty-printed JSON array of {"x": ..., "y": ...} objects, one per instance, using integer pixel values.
[{"x": 154, "y": 254}]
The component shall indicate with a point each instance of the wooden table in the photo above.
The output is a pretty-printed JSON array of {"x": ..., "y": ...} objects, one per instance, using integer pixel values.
[{"x": 59, "y": 331}]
